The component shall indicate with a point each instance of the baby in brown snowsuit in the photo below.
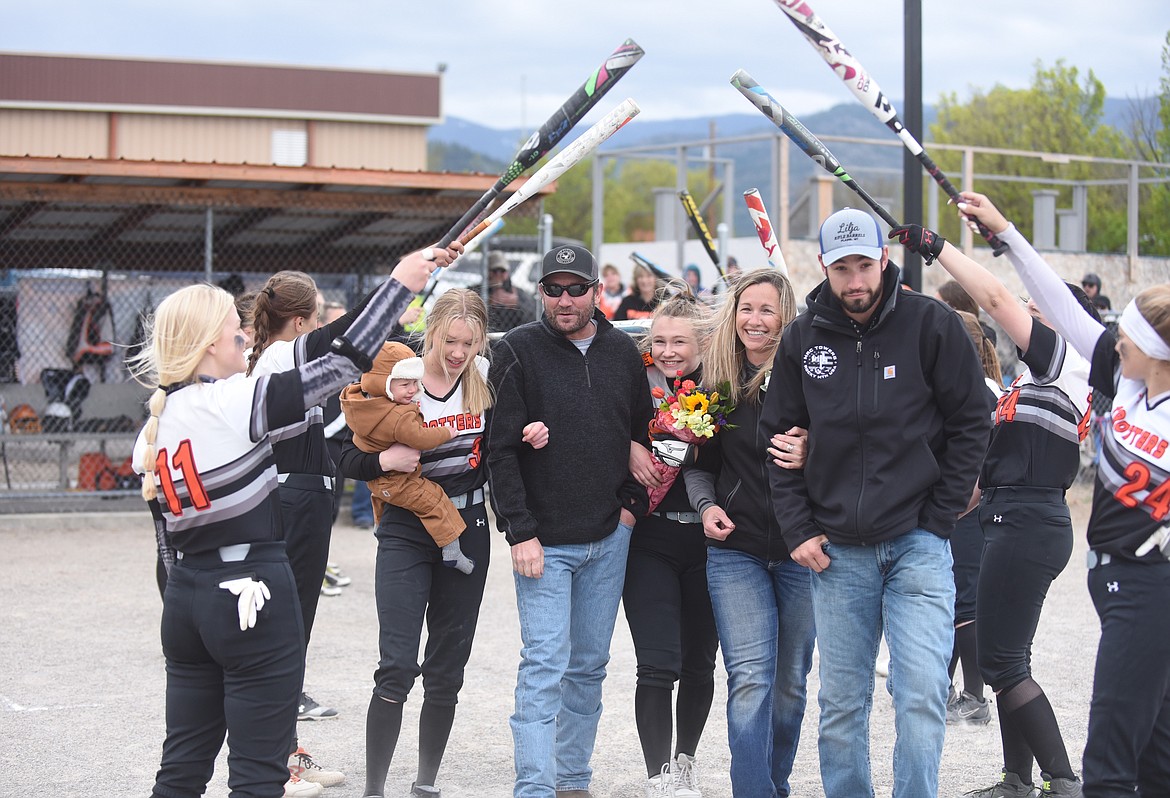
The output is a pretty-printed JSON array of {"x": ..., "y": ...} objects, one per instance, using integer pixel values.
[{"x": 382, "y": 412}]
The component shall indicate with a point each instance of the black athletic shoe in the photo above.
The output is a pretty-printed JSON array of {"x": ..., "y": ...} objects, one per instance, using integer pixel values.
[{"x": 311, "y": 710}]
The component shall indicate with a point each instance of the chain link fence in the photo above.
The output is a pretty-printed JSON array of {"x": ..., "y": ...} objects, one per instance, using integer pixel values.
[{"x": 77, "y": 281}]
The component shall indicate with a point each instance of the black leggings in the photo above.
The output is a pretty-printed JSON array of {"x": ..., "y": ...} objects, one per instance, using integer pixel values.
[
  {"x": 412, "y": 584},
  {"x": 671, "y": 621},
  {"x": 1028, "y": 539}
]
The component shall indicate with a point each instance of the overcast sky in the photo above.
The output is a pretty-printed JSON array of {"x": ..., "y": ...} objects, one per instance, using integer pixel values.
[{"x": 511, "y": 63}]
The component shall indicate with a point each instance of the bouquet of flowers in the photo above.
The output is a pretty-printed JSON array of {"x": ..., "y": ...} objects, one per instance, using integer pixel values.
[{"x": 685, "y": 419}]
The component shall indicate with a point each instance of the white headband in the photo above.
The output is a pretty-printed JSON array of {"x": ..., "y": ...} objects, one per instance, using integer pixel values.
[{"x": 1142, "y": 333}]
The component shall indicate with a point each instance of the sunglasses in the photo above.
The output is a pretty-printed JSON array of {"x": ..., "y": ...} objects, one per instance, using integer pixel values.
[{"x": 575, "y": 290}]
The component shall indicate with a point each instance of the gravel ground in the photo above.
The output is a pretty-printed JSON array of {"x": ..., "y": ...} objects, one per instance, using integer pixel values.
[{"x": 81, "y": 693}]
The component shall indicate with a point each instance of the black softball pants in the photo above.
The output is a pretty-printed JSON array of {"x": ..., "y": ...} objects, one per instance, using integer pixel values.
[
  {"x": 221, "y": 680},
  {"x": 306, "y": 510},
  {"x": 1128, "y": 747},
  {"x": 1027, "y": 543}
]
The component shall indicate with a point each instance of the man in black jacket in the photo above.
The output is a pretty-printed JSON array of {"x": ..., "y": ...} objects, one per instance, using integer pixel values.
[
  {"x": 889, "y": 386},
  {"x": 567, "y": 510}
]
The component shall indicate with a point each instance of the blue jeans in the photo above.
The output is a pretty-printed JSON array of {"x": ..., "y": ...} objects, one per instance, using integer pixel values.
[
  {"x": 905, "y": 586},
  {"x": 763, "y": 611},
  {"x": 361, "y": 510},
  {"x": 566, "y": 624}
]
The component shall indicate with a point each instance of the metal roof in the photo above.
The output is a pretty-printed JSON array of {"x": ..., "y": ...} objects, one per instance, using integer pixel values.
[{"x": 81, "y": 211}]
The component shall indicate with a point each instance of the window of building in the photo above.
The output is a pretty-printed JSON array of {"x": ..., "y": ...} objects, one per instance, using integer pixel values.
[{"x": 290, "y": 147}]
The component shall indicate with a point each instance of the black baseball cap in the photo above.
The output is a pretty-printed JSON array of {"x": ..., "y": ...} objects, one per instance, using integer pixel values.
[{"x": 570, "y": 259}]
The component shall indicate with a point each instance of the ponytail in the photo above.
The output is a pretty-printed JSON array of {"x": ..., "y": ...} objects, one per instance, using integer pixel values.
[
  {"x": 286, "y": 295},
  {"x": 149, "y": 463},
  {"x": 260, "y": 330}
]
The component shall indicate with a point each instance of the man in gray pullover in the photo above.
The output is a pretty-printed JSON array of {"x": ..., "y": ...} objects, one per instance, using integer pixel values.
[{"x": 567, "y": 510}]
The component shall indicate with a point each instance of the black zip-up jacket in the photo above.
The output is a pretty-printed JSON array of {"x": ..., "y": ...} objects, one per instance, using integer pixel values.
[
  {"x": 740, "y": 466},
  {"x": 898, "y": 418},
  {"x": 572, "y": 490}
]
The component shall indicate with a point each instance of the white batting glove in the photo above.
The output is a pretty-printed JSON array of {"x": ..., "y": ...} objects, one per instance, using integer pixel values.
[
  {"x": 252, "y": 595},
  {"x": 1160, "y": 539}
]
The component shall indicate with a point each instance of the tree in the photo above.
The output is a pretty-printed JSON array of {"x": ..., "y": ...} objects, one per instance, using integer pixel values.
[
  {"x": 1150, "y": 136},
  {"x": 1057, "y": 114},
  {"x": 629, "y": 197}
]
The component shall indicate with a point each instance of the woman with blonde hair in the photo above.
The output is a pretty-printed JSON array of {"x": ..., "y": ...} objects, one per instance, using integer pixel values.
[
  {"x": 230, "y": 610},
  {"x": 411, "y": 582},
  {"x": 665, "y": 597},
  {"x": 761, "y": 598}
]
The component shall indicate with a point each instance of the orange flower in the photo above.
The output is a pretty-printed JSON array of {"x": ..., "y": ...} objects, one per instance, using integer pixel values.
[
  {"x": 657, "y": 392},
  {"x": 689, "y": 385}
]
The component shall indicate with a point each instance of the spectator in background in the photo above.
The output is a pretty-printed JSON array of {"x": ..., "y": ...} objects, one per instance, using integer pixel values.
[
  {"x": 731, "y": 272},
  {"x": 643, "y": 296},
  {"x": 508, "y": 306},
  {"x": 1092, "y": 285},
  {"x": 612, "y": 290},
  {"x": 957, "y": 297}
]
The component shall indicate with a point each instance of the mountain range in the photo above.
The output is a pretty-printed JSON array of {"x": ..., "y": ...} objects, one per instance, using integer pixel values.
[{"x": 461, "y": 145}]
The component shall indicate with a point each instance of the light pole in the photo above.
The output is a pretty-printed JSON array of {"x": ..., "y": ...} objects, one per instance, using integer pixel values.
[{"x": 911, "y": 168}]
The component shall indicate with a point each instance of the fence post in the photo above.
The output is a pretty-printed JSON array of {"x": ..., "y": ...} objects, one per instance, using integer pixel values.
[
  {"x": 680, "y": 222},
  {"x": 208, "y": 242},
  {"x": 1044, "y": 218},
  {"x": 1131, "y": 237},
  {"x": 598, "y": 203}
]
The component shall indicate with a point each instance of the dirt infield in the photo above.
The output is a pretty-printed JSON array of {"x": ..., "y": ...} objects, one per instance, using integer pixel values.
[{"x": 81, "y": 689}]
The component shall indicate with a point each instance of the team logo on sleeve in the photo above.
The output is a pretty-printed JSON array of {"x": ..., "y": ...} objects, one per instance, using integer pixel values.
[{"x": 820, "y": 362}]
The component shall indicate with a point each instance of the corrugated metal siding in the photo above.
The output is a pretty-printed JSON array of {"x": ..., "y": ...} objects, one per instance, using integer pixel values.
[
  {"x": 53, "y": 133},
  {"x": 360, "y": 146},
  {"x": 199, "y": 139}
]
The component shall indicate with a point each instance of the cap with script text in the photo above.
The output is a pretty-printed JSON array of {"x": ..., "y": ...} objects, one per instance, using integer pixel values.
[{"x": 850, "y": 232}]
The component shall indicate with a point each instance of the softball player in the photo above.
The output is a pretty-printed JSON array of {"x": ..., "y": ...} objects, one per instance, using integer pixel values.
[
  {"x": 1031, "y": 461},
  {"x": 230, "y": 606},
  {"x": 1128, "y": 747}
]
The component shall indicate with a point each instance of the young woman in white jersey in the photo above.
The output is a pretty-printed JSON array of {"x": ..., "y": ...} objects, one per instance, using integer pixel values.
[
  {"x": 411, "y": 582},
  {"x": 285, "y": 335},
  {"x": 1128, "y": 747},
  {"x": 230, "y": 608}
]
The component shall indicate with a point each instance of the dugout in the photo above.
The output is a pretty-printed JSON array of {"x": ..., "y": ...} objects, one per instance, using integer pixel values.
[{"x": 129, "y": 233}]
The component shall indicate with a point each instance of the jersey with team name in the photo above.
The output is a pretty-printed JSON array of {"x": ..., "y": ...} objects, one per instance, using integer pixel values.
[
  {"x": 1042, "y": 419},
  {"x": 216, "y": 474},
  {"x": 457, "y": 464},
  {"x": 1132, "y": 495}
]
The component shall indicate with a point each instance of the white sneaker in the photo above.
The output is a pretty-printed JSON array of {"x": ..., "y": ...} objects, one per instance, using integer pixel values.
[
  {"x": 686, "y": 777},
  {"x": 296, "y": 787},
  {"x": 301, "y": 764},
  {"x": 662, "y": 785}
]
